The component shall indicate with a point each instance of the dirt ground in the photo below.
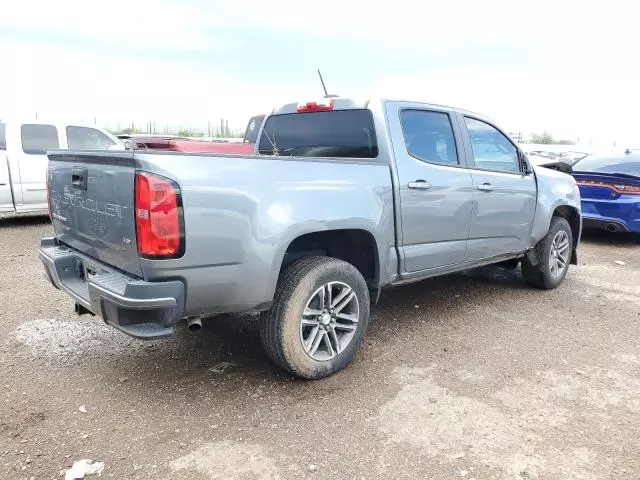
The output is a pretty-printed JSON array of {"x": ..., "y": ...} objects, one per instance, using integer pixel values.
[{"x": 471, "y": 376}]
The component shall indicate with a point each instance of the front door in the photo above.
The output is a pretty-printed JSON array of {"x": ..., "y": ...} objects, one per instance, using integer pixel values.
[
  {"x": 504, "y": 195},
  {"x": 435, "y": 188}
]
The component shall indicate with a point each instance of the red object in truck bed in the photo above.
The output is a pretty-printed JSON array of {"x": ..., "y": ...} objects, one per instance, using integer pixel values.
[
  {"x": 211, "y": 147},
  {"x": 190, "y": 146}
]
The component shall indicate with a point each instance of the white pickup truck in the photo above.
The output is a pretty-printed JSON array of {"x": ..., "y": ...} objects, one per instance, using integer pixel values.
[{"x": 23, "y": 159}]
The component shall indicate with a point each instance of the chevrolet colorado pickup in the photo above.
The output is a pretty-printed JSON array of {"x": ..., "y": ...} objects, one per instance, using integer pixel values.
[{"x": 342, "y": 199}]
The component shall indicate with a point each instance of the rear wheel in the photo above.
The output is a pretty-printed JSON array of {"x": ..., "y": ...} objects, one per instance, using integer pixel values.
[
  {"x": 554, "y": 255},
  {"x": 318, "y": 319}
]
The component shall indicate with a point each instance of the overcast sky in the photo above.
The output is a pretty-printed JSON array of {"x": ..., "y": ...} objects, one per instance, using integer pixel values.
[{"x": 566, "y": 66}]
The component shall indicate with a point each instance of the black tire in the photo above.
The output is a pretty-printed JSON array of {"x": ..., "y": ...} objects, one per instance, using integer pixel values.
[
  {"x": 280, "y": 326},
  {"x": 539, "y": 275}
]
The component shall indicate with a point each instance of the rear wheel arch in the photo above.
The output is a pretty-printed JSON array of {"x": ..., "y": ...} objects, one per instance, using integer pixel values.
[{"x": 357, "y": 247}]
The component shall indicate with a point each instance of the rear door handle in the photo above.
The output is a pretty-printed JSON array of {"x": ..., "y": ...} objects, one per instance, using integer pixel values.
[
  {"x": 419, "y": 185},
  {"x": 485, "y": 187}
]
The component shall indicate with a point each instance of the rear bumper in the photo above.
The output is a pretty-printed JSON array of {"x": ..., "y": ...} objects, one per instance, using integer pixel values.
[
  {"x": 608, "y": 224},
  {"x": 620, "y": 215},
  {"x": 145, "y": 310}
]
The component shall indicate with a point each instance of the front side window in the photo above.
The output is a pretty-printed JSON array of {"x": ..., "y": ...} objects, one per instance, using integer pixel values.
[
  {"x": 428, "y": 136},
  {"x": 491, "y": 149},
  {"x": 38, "y": 139},
  {"x": 85, "y": 138}
]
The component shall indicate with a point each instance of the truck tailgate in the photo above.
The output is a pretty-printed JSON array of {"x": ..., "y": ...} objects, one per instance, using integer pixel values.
[{"x": 92, "y": 205}]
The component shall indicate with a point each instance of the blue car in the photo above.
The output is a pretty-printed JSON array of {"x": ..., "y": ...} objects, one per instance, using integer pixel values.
[{"x": 610, "y": 190}]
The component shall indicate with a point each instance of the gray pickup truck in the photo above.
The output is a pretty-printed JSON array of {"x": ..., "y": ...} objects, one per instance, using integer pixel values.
[{"x": 342, "y": 199}]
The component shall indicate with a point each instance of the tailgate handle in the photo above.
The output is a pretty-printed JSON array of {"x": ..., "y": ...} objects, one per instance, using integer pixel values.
[{"x": 79, "y": 178}]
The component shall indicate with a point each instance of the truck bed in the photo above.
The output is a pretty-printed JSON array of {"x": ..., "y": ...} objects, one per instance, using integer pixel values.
[{"x": 240, "y": 214}]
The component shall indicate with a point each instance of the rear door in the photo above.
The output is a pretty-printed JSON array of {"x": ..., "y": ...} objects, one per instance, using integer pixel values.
[
  {"x": 30, "y": 152},
  {"x": 435, "y": 186},
  {"x": 6, "y": 200},
  {"x": 93, "y": 206},
  {"x": 504, "y": 195}
]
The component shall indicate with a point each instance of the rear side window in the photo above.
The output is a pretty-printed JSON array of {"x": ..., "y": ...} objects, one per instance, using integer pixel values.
[
  {"x": 3, "y": 136},
  {"x": 37, "y": 139},
  {"x": 491, "y": 149},
  {"x": 85, "y": 138},
  {"x": 428, "y": 136},
  {"x": 339, "y": 133}
]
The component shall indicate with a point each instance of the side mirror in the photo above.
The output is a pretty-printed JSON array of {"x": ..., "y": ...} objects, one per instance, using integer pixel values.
[{"x": 526, "y": 166}]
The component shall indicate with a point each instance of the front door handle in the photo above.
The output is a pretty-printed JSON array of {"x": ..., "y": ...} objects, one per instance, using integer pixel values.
[
  {"x": 485, "y": 187},
  {"x": 419, "y": 185}
]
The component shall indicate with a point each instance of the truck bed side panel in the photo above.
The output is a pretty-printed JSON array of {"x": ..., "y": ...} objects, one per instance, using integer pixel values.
[{"x": 241, "y": 214}]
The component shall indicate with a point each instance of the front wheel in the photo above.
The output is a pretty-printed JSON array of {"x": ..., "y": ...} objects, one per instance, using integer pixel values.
[
  {"x": 318, "y": 319},
  {"x": 554, "y": 255}
]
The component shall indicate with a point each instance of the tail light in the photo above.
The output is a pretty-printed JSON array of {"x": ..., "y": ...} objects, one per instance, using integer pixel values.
[
  {"x": 622, "y": 188},
  {"x": 324, "y": 105},
  {"x": 159, "y": 217}
]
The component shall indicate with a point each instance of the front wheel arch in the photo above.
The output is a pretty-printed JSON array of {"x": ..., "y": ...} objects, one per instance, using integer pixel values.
[
  {"x": 538, "y": 264},
  {"x": 571, "y": 215}
]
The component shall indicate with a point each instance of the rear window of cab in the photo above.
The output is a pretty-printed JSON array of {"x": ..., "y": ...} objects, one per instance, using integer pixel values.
[{"x": 338, "y": 133}]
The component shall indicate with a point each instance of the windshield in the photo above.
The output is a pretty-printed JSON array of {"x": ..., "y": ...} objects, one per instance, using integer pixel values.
[
  {"x": 340, "y": 133},
  {"x": 628, "y": 164}
]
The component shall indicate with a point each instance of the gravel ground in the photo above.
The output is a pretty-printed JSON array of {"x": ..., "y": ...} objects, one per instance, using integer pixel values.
[{"x": 470, "y": 376}]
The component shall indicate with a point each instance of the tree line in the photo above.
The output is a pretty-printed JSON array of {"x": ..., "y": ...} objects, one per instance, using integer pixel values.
[{"x": 545, "y": 138}]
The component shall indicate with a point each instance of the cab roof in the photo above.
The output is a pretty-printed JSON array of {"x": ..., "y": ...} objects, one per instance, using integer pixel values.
[{"x": 347, "y": 103}]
